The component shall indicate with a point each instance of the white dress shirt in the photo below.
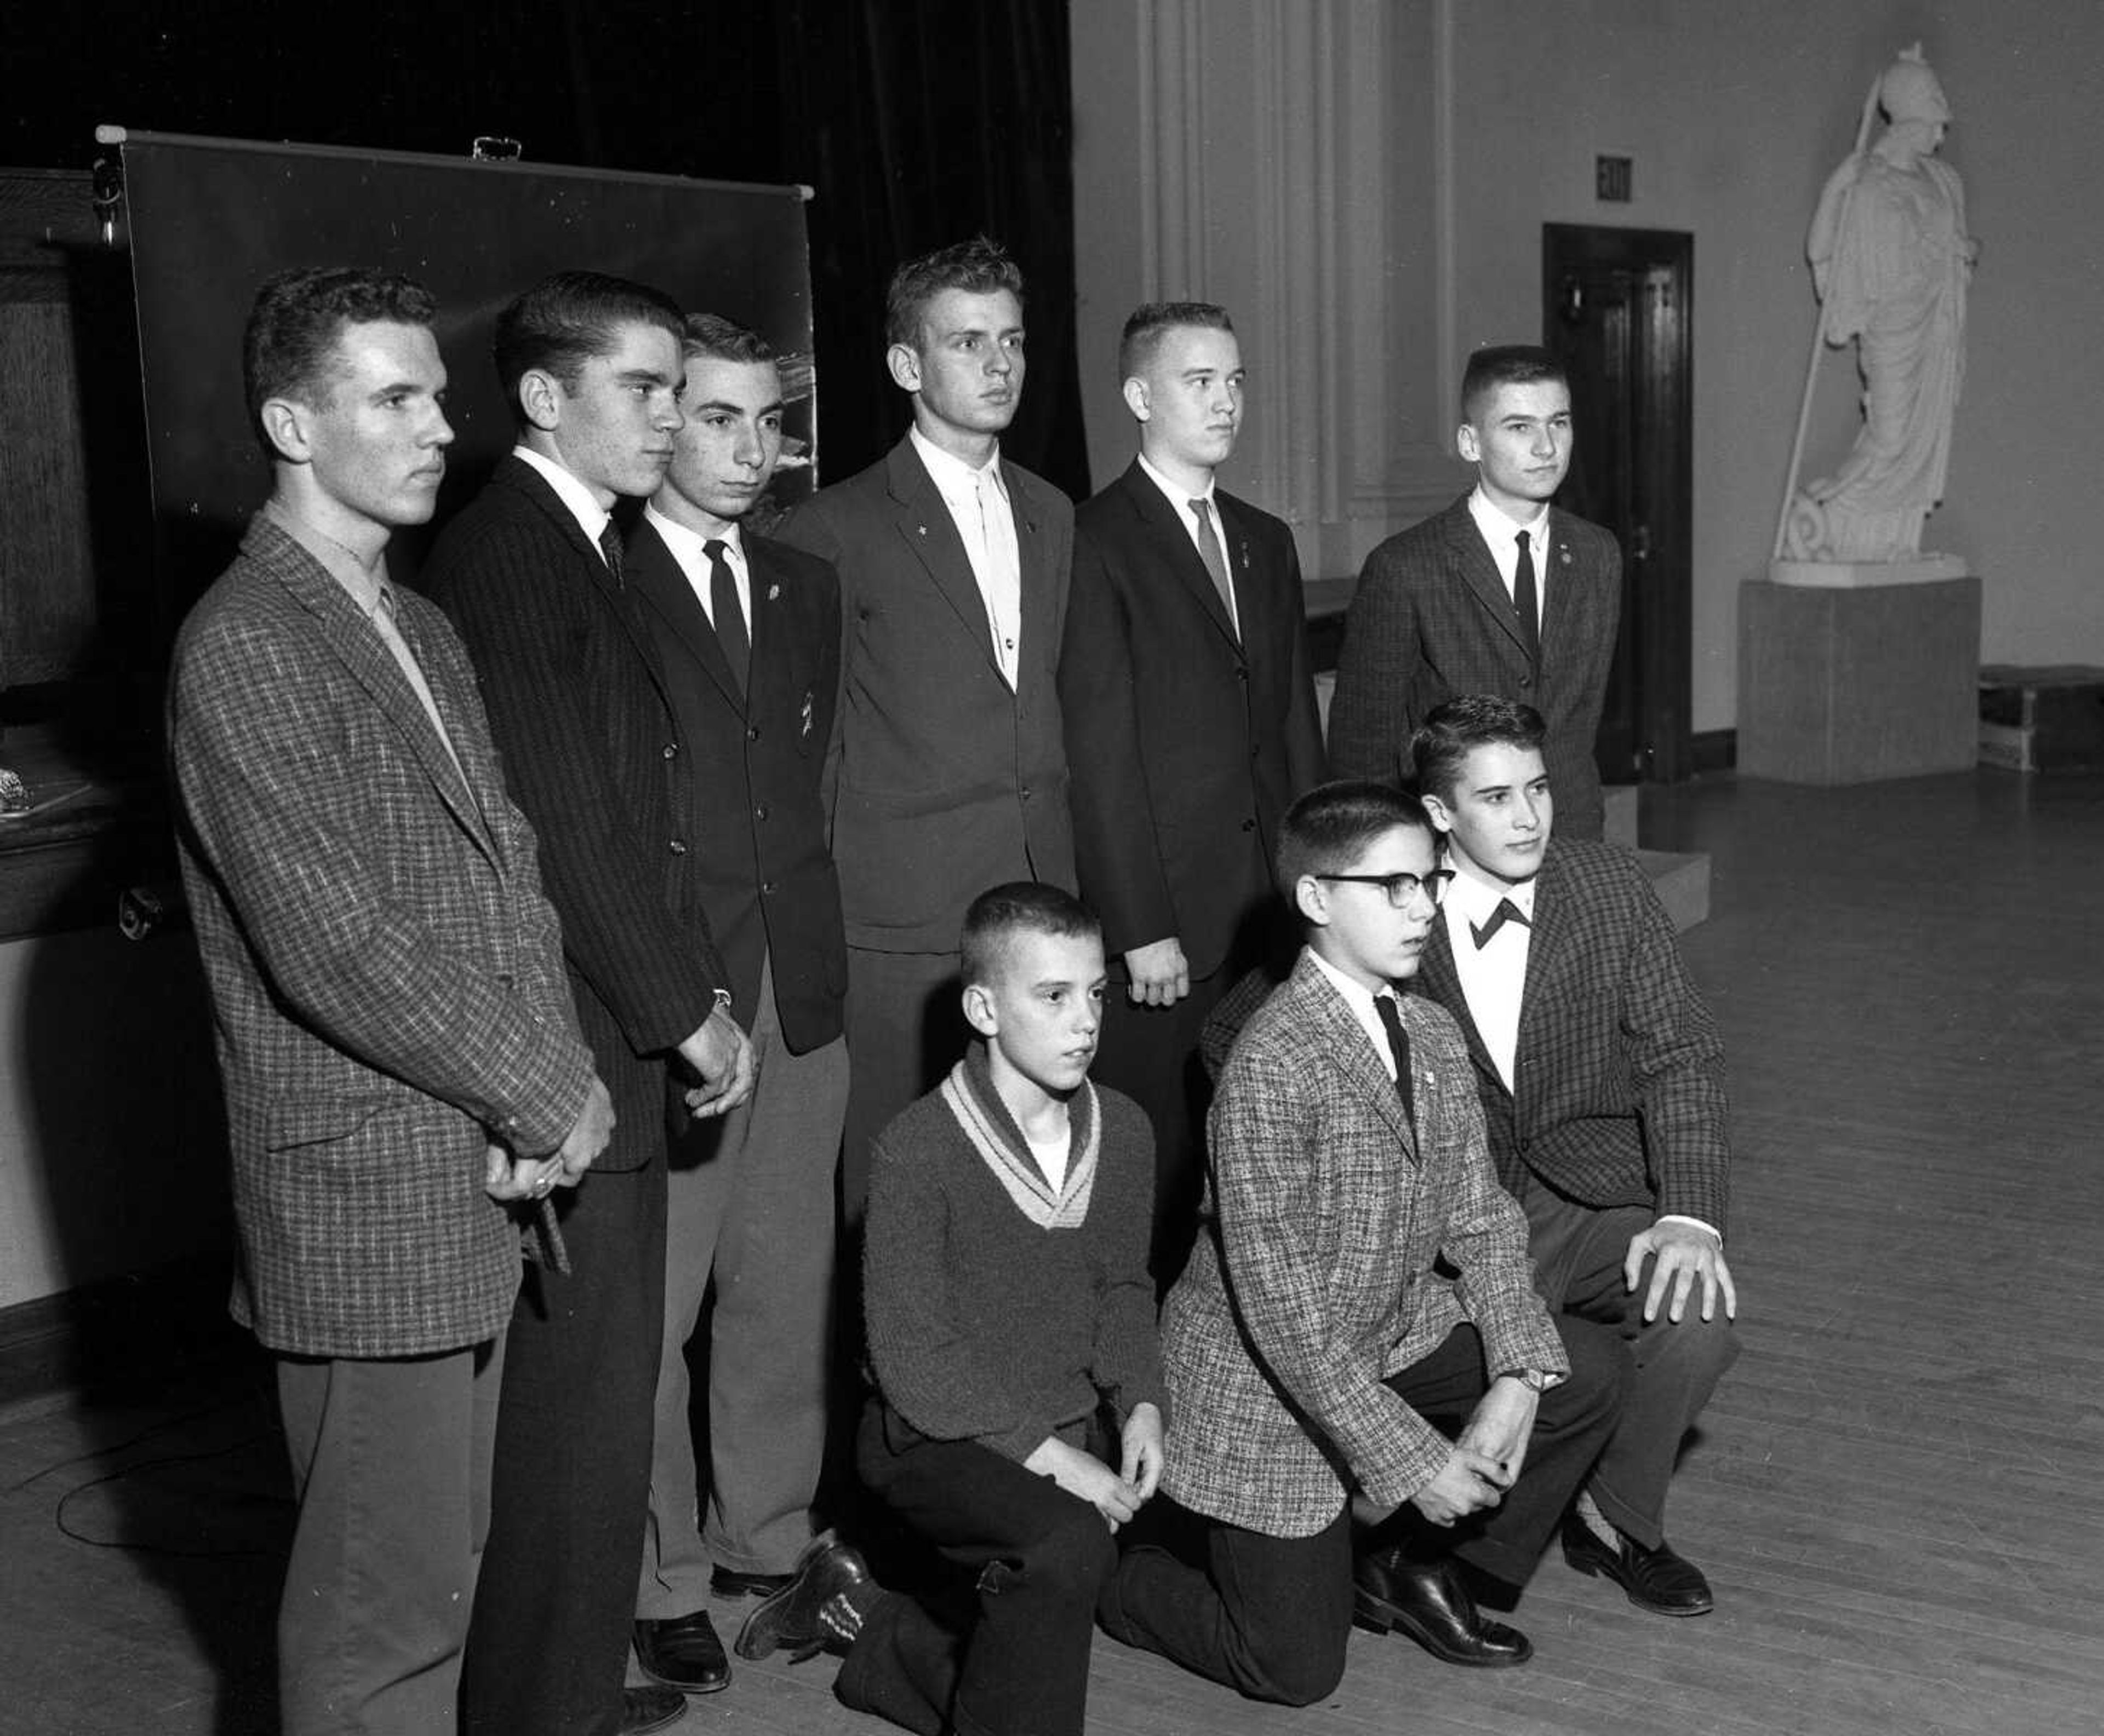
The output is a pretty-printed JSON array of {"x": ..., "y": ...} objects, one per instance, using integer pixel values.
[
  {"x": 690, "y": 549},
  {"x": 985, "y": 518},
  {"x": 1179, "y": 503},
  {"x": 1503, "y": 536},
  {"x": 591, "y": 516},
  {"x": 1494, "y": 976}
]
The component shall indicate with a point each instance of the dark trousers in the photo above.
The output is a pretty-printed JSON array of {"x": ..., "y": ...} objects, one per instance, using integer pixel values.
[
  {"x": 547, "y": 1647},
  {"x": 391, "y": 1466},
  {"x": 1151, "y": 1054},
  {"x": 1016, "y": 1663},
  {"x": 1578, "y": 1253},
  {"x": 905, "y": 1030},
  {"x": 1270, "y": 1615}
]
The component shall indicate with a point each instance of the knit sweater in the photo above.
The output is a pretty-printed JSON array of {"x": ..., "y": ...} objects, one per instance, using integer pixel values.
[{"x": 999, "y": 1310}]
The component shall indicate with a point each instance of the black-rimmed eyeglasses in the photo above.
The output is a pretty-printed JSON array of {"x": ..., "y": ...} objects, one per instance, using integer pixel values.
[{"x": 1401, "y": 888}]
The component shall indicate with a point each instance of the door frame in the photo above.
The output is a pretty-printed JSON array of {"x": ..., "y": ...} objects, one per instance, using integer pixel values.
[{"x": 1660, "y": 628}]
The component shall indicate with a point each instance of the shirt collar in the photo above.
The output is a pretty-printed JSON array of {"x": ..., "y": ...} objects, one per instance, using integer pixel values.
[
  {"x": 1179, "y": 498},
  {"x": 592, "y": 518},
  {"x": 1359, "y": 998},
  {"x": 1475, "y": 894},
  {"x": 689, "y": 547},
  {"x": 1495, "y": 524},
  {"x": 953, "y": 477},
  {"x": 366, "y": 585}
]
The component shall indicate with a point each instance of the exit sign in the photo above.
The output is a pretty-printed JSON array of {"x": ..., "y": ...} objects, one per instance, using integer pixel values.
[{"x": 1611, "y": 180}]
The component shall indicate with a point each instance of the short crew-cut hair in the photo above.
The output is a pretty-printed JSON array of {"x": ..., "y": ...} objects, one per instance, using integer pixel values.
[
  {"x": 564, "y": 321},
  {"x": 711, "y": 337},
  {"x": 1152, "y": 321},
  {"x": 1020, "y": 907},
  {"x": 1453, "y": 730},
  {"x": 1505, "y": 364},
  {"x": 289, "y": 347},
  {"x": 979, "y": 267},
  {"x": 1329, "y": 828}
]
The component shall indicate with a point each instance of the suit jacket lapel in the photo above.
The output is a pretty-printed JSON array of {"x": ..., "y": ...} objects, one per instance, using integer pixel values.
[
  {"x": 1332, "y": 1028},
  {"x": 356, "y": 643},
  {"x": 1040, "y": 585},
  {"x": 662, "y": 584},
  {"x": 1165, "y": 525},
  {"x": 1480, "y": 572},
  {"x": 1441, "y": 980},
  {"x": 1562, "y": 583},
  {"x": 1547, "y": 934},
  {"x": 517, "y": 474},
  {"x": 925, "y": 525}
]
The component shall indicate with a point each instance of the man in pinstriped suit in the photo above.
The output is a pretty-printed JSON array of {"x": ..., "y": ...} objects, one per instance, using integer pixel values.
[
  {"x": 1603, "y": 1083},
  {"x": 1460, "y": 604},
  {"x": 400, "y": 1051}
]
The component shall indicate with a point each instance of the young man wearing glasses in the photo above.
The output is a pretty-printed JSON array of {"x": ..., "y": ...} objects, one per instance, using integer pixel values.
[
  {"x": 1600, "y": 1073},
  {"x": 1375, "y": 1414}
]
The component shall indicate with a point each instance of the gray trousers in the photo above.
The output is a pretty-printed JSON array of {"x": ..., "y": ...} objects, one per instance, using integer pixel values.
[
  {"x": 1578, "y": 1253},
  {"x": 391, "y": 1466},
  {"x": 751, "y": 1206}
]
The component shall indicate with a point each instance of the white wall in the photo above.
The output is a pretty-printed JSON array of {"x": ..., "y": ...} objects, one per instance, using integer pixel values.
[{"x": 1492, "y": 114}]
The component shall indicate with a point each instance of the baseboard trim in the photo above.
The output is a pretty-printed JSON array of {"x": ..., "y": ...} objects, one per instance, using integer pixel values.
[{"x": 106, "y": 1335}]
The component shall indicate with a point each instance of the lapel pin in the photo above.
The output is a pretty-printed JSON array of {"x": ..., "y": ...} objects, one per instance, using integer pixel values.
[
  {"x": 773, "y": 592},
  {"x": 923, "y": 530},
  {"x": 1566, "y": 553}
]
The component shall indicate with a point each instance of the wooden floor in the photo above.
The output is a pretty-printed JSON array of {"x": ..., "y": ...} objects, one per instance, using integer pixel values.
[{"x": 1899, "y": 1496}]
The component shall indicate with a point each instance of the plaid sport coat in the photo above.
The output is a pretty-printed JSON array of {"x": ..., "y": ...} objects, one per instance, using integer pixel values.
[
  {"x": 1620, "y": 1067},
  {"x": 1315, "y": 1276},
  {"x": 1431, "y": 619},
  {"x": 386, "y": 982}
]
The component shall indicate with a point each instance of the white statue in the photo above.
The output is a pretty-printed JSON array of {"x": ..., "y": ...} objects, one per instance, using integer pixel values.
[{"x": 1890, "y": 259}]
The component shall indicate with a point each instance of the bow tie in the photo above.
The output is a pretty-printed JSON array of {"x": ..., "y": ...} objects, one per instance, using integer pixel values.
[{"x": 1507, "y": 911}]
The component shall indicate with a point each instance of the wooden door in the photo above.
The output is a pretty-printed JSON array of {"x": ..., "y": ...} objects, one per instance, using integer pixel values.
[{"x": 1616, "y": 310}]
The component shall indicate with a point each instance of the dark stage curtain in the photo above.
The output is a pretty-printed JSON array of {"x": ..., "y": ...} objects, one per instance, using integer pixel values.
[{"x": 917, "y": 122}]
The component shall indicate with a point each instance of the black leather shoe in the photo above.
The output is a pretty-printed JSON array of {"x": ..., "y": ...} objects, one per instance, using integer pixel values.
[
  {"x": 1655, "y": 1579},
  {"x": 684, "y": 1653},
  {"x": 821, "y": 1609},
  {"x": 644, "y": 1709},
  {"x": 728, "y": 1582},
  {"x": 1430, "y": 1603}
]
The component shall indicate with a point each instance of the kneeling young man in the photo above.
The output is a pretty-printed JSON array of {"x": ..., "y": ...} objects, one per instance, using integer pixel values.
[
  {"x": 1601, "y": 1076},
  {"x": 1356, "y": 1336},
  {"x": 1011, "y": 1334}
]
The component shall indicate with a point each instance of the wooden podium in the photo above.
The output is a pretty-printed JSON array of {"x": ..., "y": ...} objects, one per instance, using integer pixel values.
[{"x": 1847, "y": 683}]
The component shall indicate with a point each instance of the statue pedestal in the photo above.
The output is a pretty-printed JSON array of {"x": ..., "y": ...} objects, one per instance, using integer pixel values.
[{"x": 1848, "y": 684}]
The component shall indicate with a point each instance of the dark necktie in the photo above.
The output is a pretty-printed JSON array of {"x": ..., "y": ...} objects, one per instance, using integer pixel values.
[
  {"x": 1507, "y": 911},
  {"x": 729, "y": 618},
  {"x": 609, "y": 546},
  {"x": 1398, "y": 1047},
  {"x": 1215, "y": 558},
  {"x": 1526, "y": 603}
]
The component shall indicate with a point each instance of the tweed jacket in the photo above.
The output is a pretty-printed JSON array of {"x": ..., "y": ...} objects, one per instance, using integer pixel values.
[
  {"x": 757, "y": 876},
  {"x": 1620, "y": 1066},
  {"x": 943, "y": 780},
  {"x": 386, "y": 990},
  {"x": 1431, "y": 620},
  {"x": 1186, "y": 741},
  {"x": 1317, "y": 1272},
  {"x": 577, "y": 702}
]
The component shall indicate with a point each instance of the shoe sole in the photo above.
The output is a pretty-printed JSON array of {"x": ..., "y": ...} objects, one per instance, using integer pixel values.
[
  {"x": 1377, "y": 1615},
  {"x": 689, "y": 1688},
  {"x": 1598, "y": 1569}
]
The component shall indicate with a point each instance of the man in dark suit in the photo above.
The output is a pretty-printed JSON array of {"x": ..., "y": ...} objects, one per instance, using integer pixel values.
[
  {"x": 1602, "y": 1077},
  {"x": 531, "y": 573},
  {"x": 748, "y": 634},
  {"x": 948, "y": 773},
  {"x": 400, "y": 1054},
  {"x": 1500, "y": 594},
  {"x": 1190, "y": 724}
]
